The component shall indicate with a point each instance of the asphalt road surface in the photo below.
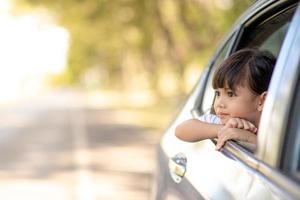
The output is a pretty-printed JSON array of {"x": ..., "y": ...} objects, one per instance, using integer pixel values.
[{"x": 59, "y": 147}]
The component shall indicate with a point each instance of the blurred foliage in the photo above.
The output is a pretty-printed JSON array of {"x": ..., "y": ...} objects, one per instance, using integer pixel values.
[{"x": 140, "y": 44}]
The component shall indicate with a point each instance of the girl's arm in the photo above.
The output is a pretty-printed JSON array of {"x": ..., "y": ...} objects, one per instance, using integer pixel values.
[{"x": 194, "y": 130}]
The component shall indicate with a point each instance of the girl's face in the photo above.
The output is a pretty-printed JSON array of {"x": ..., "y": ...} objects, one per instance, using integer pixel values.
[{"x": 238, "y": 103}]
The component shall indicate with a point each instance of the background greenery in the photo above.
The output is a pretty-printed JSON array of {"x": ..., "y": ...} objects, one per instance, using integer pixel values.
[{"x": 159, "y": 46}]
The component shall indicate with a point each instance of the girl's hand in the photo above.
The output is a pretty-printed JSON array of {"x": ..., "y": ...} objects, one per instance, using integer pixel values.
[
  {"x": 227, "y": 133},
  {"x": 236, "y": 129},
  {"x": 241, "y": 124}
]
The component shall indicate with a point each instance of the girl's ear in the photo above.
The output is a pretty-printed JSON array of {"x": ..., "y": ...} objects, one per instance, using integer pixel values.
[{"x": 261, "y": 101}]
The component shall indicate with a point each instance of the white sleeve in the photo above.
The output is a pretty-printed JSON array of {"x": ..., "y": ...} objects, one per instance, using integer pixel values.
[{"x": 210, "y": 118}]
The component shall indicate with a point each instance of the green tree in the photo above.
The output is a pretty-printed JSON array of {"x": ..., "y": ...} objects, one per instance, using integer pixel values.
[{"x": 131, "y": 38}]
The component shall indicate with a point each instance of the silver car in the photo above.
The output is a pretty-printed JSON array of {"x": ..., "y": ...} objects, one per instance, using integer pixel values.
[{"x": 270, "y": 171}]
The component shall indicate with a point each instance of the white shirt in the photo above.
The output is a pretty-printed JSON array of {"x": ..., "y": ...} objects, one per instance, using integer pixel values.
[{"x": 210, "y": 118}]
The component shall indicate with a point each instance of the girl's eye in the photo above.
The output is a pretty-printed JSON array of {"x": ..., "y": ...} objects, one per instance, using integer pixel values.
[
  {"x": 230, "y": 93},
  {"x": 217, "y": 93}
]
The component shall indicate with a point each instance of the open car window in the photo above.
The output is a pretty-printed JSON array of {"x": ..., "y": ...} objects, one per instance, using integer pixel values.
[{"x": 267, "y": 35}]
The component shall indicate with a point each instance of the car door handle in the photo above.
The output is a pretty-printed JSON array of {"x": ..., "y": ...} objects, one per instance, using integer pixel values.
[{"x": 177, "y": 167}]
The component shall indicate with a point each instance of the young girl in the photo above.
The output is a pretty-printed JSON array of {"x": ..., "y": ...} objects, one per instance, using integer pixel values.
[{"x": 240, "y": 84}]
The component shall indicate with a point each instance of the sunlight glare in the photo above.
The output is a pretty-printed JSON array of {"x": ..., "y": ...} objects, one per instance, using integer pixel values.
[{"x": 32, "y": 46}]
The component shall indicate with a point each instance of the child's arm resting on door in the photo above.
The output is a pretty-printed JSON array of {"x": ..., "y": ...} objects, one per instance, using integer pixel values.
[{"x": 194, "y": 130}]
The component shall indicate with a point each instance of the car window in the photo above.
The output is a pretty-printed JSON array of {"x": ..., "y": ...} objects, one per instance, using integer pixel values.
[
  {"x": 291, "y": 150},
  {"x": 268, "y": 35}
]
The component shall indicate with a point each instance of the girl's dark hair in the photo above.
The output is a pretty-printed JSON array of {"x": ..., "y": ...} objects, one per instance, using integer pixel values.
[{"x": 248, "y": 67}]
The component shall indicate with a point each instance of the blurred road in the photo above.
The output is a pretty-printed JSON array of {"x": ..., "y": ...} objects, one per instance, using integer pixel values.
[{"x": 58, "y": 147}]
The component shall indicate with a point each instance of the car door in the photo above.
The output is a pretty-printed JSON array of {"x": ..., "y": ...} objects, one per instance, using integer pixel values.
[{"x": 230, "y": 173}]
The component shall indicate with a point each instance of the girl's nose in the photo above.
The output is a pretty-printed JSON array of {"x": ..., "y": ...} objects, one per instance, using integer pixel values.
[
  {"x": 221, "y": 106},
  {"x": 219, "y": 103}
]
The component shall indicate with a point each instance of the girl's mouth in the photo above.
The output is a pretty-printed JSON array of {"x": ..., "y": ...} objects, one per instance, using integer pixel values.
[{"x": 222, "y": 115}]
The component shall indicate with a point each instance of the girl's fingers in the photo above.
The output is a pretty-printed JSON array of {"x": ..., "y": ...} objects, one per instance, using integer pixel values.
[
  {"x": 219, "y": 145},
  {"x": 250, "y": 126},
  {"x": 246, "y": 125},
  {"x": 222, "y": 138},
  {"x": 241, "y": 124},
  {"x": 253, "y": 129},
  {"x": 226, "y": 134},
  {"x": 232, "y": 123}
]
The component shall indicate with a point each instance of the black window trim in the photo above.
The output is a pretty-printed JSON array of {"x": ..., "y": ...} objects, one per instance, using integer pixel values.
[{"x": 260, "y": 19}]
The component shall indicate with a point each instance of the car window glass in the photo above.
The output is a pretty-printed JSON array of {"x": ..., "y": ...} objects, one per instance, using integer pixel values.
[
  {"x": 274, "y": 42},
  {"x": 208, "y": 96}
]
